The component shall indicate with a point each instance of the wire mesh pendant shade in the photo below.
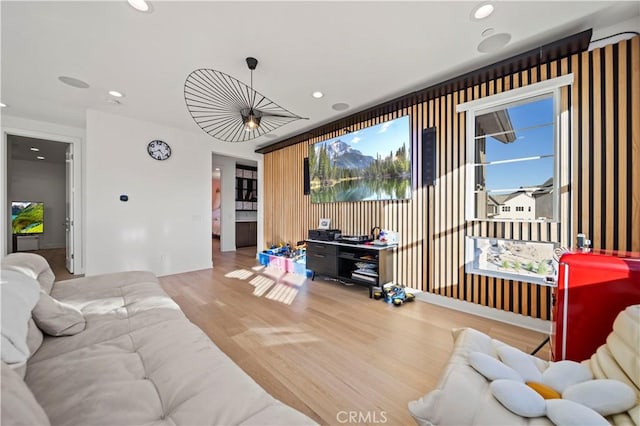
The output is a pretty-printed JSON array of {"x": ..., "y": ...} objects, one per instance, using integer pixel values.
[{"x": 222, "y": 106}]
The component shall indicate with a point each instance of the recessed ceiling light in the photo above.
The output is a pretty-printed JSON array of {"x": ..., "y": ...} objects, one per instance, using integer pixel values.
[
  {"x": 217, "y": 169},
  {"x": 40, "y": 157},
  {"x": 340, "y": 106},
  {"x": 482, "y": 11},
  {"x": 140, "y": 5},
  {"x": 34, "y": 149},
  {"x": 115, "y": 93},
  {"x": 73, "y": 82},
  {"x": 317, "y": 94}
]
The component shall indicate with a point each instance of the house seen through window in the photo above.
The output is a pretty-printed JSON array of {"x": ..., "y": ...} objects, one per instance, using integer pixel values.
[{"x": 514, "y": 160}]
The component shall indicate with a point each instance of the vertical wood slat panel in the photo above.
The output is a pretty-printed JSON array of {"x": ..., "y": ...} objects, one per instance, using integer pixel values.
[
  {"x": 634, "y": 159},
  {"x": 606, "y": 145}
]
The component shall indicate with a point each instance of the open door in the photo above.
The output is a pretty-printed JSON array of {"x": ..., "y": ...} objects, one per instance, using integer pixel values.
[{"x": 68, "y": 221}]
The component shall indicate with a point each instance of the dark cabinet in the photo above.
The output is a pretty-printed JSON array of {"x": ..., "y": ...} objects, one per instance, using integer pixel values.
[
  {"x": 322, "y": 259},
  {"x": 246, "y": 234},
  {"x": 246, "y": 188},
  {"x": 370, "y": 266}
]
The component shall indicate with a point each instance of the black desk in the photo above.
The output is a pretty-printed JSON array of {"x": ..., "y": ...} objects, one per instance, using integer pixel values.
[{"x": 338, "y": 260}]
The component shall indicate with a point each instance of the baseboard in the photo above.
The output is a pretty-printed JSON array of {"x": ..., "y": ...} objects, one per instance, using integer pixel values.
[
  {"x": 535, "y": 324},
  {"x": 50, "y": 246}
]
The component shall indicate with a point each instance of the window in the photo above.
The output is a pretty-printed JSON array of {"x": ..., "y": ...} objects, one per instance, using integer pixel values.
[{"x": 512, "y": 146}]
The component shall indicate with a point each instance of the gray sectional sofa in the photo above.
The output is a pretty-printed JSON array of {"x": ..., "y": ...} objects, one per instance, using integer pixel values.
[{"x": 126, "y": 355}]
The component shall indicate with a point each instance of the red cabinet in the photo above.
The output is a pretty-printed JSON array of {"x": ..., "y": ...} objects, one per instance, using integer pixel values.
[{"x": 592, "y": 289}]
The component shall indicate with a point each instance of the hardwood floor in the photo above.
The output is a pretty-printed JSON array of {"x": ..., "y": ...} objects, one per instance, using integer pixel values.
[
  {"x": 322, "y": 347},
  {"x": 56, "y": 259}
]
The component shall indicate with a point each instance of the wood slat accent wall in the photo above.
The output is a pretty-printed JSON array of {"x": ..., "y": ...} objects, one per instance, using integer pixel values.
[{"x": 600, "y": 182}]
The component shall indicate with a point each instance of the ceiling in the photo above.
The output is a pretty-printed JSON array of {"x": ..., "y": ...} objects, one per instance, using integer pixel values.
[
  {"x": 29, "y": 149},
  {"x": 355, "y": 52}
]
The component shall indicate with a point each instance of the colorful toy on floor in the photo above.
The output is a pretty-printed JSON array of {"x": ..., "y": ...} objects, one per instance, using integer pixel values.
[{"x": 394, "y": 293}]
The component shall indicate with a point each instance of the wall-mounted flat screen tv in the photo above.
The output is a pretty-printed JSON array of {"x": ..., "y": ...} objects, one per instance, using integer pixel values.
[
  {"x": 370, "y": 164},
  {"x": 27, "y": 217}
]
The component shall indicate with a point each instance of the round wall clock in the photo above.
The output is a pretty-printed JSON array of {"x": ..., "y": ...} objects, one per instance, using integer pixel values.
[{"x": 159, "y": 150}]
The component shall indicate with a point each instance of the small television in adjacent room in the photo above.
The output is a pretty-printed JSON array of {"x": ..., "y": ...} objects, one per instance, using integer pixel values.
[
  {"x": 27, "y": 217},
  {"x": 370, "y": 164}
]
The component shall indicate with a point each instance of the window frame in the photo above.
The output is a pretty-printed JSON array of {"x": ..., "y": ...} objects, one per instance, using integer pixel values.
[{"x": 512, "y": 97}]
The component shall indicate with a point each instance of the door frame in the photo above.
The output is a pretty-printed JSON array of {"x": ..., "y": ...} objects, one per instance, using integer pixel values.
[{"x": 77, "y": 230}]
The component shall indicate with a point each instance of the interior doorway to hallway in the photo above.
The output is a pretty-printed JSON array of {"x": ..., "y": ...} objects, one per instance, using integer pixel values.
[{"x": 40, "y": 197}]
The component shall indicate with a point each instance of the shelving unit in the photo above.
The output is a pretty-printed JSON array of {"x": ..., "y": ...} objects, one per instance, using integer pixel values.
[
  {"x": 346, "y": 262},
  {"x": 246, "y": 188}
]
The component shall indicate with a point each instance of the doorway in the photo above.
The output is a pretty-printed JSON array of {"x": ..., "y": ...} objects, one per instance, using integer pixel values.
[
  {"x": 39, "y": 194},
  {"x": 216, "y": 209},
  {"x": 238, "y": 203}
]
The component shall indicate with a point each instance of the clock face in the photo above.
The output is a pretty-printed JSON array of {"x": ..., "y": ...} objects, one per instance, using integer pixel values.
[{"x": 159, "y": 150}]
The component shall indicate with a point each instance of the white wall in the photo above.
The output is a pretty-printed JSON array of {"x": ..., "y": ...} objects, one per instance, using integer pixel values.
[
  {"x": 165, "y": 226},
  {"x": 46, "y": 182}
]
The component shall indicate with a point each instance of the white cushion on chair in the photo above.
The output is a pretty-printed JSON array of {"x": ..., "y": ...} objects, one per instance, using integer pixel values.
[
  {"x": 521, "y": 362},
  {"x": 568, "y": 413},
  {"x": 518, "y": 398},
  {"x": 491, "y": 368},
  {"x": 562, "y": 374},
  {"x": 603, "y": 396}
]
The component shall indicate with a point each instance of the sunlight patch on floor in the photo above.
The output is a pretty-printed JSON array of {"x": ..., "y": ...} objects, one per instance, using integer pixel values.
[
  {"x": 241, "y": 274},
  {"x": 272, "y": 336},
  {"x": 286, "y": 287},
  {"x": 262, "y": 284},
  {"x": 282, "y": 293}
]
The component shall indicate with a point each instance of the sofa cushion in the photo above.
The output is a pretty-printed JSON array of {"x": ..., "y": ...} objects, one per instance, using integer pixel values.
[
  {"x": 34, "y": 337},
  {"x": 19, "y": 407},
  {"x": 168, "y": 371},
  {"x": 19, "y": 294},
  {"x": 33, "y": 265},
  {"x": 57, "y": 318},
  {"x": 140, "y": 361}
]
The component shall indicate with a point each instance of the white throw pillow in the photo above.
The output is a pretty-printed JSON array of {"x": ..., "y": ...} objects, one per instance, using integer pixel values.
[
  {"x": 492, "y": 368},
  {"x": 562, "y": 374},
  {"x": 568, "y": 413},
  {"x": 57, "y": 318},
  {"x": 518, "y": 398},
  {"x": 604, "y": 396},
  {"x": 19, "y": 294},
  {"x": 521, "y": 362}
]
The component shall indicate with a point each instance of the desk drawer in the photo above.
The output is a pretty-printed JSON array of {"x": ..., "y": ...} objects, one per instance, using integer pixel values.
[
  {"x": 322, "y": 263},
  {"x": 319, "y": 248}
]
